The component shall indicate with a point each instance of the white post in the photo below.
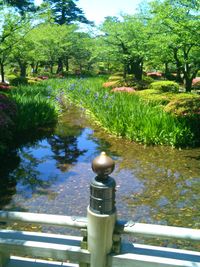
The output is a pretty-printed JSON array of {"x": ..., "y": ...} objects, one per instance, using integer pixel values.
[
  {"x": 101, "y": 212},
  {"x": 100, "y": 237}
]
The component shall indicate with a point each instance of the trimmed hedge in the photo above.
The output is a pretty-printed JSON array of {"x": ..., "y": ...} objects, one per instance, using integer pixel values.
[{"x": 165, "y": 86}]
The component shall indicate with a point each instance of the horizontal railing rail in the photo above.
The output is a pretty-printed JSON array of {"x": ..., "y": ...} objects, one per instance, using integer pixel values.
[
  {"x": 155, "y": 230},
  {"x": 122, "y": 227},
  {"x": 41, "y": 218}
]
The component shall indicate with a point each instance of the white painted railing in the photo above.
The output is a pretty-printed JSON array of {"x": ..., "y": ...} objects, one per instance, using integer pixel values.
[
  {"x": 123, "y": 227},
  {"x": 61, "y": 248},
  {"x": 100, "y": 245}
]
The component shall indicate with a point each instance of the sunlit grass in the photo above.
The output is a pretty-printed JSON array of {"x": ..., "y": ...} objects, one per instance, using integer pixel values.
[
  {"x": 35, "y": 107},
  {"x": 125, "y": 115}
]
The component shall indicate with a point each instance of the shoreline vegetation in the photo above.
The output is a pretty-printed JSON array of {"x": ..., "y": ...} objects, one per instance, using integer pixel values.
[
  {"x": 151, "y": 116},
  {"x": 133, "y": 115}
]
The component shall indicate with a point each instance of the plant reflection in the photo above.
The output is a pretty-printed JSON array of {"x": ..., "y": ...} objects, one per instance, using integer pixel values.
[
  {"x": 8, "y": 184},
  {"x": 64, "y": 145}
]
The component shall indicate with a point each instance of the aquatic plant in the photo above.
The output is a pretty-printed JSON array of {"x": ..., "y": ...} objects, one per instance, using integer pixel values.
[{"x": 125, "y": 115}]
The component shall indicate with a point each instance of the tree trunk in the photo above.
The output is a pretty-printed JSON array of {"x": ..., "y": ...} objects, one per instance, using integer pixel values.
[
  {"x": 188, "y": 77},
  {"x": 125, "y": 70},
  {"x": 188, "y": 74},
  {"x": 36, "y": 68},
  {"x": 2, "y": 72},
  {"x": 23, "y": 67},
  {"x": 67, "y": 64},
  {"x": 51, "y": 68},
  {"x": 188, "y": 84},
  {"x": 137, "y": 68},
  {"x": 60, "y": 66},
  {"x": 166, "y": 69},
  {"x": 178, "y": 66}
]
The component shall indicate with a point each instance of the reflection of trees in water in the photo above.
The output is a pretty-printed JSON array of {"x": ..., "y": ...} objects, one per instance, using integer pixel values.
[
  {"x": 27, "y": 174},
  {"x": 20, "y": 167},
  {"x": 8, "y": 184},
  {"x": 64, "y": 145},
  {"x": 23, "y": 170},
  {"x": 103, "y": 145}
]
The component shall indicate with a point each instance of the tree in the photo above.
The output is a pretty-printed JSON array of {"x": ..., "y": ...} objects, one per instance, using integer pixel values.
[
  {"x": 66, "y": 12},
  {"x": 14, "y": 27},
  {"x": 177, "y": 24},
  {"x": 129, "y": 42},
  {"x": 82, "y": 52},
  {"x": 22, "y": 6},
  {"x": 53, "y": 42}
]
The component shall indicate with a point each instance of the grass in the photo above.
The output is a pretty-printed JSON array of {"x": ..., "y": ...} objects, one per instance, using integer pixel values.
[
  {"x": 35, "y": 106},
  {"x": 126, "y": 115}
]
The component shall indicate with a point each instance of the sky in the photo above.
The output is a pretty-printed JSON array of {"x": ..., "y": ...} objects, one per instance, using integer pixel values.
[{"x": 96, "y": 10}]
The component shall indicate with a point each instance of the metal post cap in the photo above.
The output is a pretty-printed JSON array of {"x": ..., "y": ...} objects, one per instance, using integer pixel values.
[{"x": 103, "y": 165}]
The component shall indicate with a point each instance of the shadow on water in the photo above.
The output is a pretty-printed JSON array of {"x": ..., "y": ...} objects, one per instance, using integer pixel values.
[
  {"x": 52, "y": 175},
  {"x": 8, "y": 185}
]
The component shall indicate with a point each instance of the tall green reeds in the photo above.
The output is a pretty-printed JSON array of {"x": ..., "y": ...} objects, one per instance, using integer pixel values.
[
  {"x": 125, "y": 114},
  {"x": 35, "y": 107}
]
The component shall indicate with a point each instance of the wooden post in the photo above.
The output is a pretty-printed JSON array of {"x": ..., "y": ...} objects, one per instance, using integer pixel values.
[{"x": 101, "y": 212}]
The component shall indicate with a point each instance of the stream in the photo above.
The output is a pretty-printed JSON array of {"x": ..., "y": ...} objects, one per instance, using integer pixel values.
[{"x": 52, "y": 175}]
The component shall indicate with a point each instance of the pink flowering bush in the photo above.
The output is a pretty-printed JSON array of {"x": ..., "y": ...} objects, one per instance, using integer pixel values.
[
  {"x": 4, "y": 87},
  {"x": 196, "y": 83},
  {"x": 43, "y": 77},
  {"x": 123, "y": 89},
  {"x": 154, "y": 74}
]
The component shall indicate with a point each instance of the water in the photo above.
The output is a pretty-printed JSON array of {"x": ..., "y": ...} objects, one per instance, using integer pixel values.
[{"x": 52, "y": 175}]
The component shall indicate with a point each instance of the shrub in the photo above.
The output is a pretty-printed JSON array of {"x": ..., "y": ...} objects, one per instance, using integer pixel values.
[
  {"x": 196, "y": 83},
  {"x": 8, "y": 113},
  {"x": 187, "y": 106},
  {"x": 165, "y": 86},
  {"x": 8, "y": 106},
  {"x": 19, "y": 81},
  {"x": 123, "y": 89},
  {"x": 111, "y": 84},
  {"x": 115, "y": 78},
  {"x": 144, "y": 84},
  {"x": 4, "y": 87},
  {"x": 154, "y": 74}
]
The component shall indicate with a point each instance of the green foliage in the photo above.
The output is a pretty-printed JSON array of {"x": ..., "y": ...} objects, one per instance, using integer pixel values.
[
  {"x": 115, "y": 77},
  {"x": 19, "y": 81},
  {"x": 165, "y": 86},
  {"x": 125, "y": 115},
  {"x": 144, "y": 83},
  {"x": 66, "y": 12},
  {"x": 35, "y": 107},
  {"x": 129, "y": 81},
  {"x": 22, "y": 6},
  {"x": 174, "y": 29},
  {"x": 157, "y": 97},
  {"x": 185, "y": 106}
]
